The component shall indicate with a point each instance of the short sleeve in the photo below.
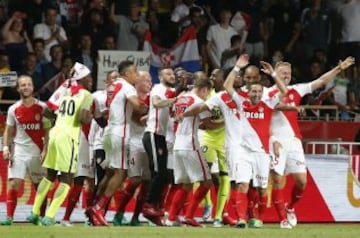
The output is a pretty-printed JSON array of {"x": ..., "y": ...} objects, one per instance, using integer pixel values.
[
  {"x": 10, "y": 118},
  {"x": 88, "y": 101}
]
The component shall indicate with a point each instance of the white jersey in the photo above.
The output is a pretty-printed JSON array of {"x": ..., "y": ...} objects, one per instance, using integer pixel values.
[
  {"x": 231, "y": 115},
  {"x": 120, "y": 110},
  {"x": 255, "y": 122},
  {"x": 186, "y": 137},
  {"x": 96, "y": 132},
  {"x": 136, "y": 132},
  {"x": 170, "y": 134},
  {"x": 30, "y": 124},
  {"x": 284, "y": 124},
  {"x": 158, "y": 118}
]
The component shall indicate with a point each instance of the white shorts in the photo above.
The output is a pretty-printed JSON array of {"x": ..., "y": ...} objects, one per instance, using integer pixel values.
[
  {"x": 232, "y": 156},
  {"x": 291, "y": 159},
  {"x": 190, "y": 167},
  {"x": 138, "y": 163},
  {"x": 252, "y": 165},
  {"x": 170, "y": 158},
  {"x": 215, "y": 167},
  {"x": 23, "y": 164},
  {"x": 117, "y": 150},
  {"x": 85, "y": 163}
]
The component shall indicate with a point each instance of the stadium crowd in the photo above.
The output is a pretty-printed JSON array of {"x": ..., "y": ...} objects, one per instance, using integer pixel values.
[{"x": 137, "y": 138}]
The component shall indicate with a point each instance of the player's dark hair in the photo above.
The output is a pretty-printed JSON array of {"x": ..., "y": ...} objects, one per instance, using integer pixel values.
[{"x": 124, "y": 66}]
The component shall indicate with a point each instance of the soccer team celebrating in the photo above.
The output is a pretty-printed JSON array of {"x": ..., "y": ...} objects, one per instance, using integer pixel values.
[{"x": 165, "y": 145}]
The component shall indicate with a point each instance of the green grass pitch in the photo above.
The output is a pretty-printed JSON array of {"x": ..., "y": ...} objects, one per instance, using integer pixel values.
[{"x": 268, "y": 231}]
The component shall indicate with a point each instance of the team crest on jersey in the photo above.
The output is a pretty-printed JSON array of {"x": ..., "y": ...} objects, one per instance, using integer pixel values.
[
  {"x": 291, "y": 96},
  {"x": 37, "y": 117},
  {"x": 261, "y": 109}
]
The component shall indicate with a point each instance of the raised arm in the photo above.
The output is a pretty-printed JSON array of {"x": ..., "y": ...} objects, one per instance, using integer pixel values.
[
  {"x": 242, "y": 61},
  {"x": 328, "y": 76},
  {"x": 268, "y": 69}
]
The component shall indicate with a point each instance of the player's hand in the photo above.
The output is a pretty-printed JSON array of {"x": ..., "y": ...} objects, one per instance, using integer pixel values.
[
  {"x": 42, "y": 156},
  {"x": 171, "y": 101},
  {"x": 143, "y": 120},
  {"x": 143, "y": 109},
  {"x": 179, "y": 117},
  {"x": 276, "y": 146},
  {"x": 6, "y": 155},
  {"x": 266, "y": 67},
  {"x": 243, "y": 60},
  {"x": 346, "y": 63},
  {"x": 301, "y": 111}
]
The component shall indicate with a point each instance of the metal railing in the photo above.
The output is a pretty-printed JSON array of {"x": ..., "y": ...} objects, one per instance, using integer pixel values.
[{"x": 331, "y": 146}]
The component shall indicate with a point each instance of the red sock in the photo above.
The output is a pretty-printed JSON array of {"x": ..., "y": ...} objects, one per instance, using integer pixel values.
[
  {"x": 116, "y": 197},
  {"x": 296, "y": 195},
  {"x": 124, "y": 196},
  {"x": 140, "y": 200},
  {"x": 11, "y": 202},
  {"x": 279, "y": 203},
  {"x": 262, "y": 206},
  {"x": 170, "y": 197},
  {"x": 253, "y": 199},
  {"x": 87, "y": 197},
  {"x": 241, "y": 204},
  {"x": 179, "y": 200},
  {"x": 102, "y": 203},
  {"x": 232, "y": 203},
  {"x": 187, "y": 202},
  {"x": 73, "y": 198},
  {"x": 198, "y": 197}
]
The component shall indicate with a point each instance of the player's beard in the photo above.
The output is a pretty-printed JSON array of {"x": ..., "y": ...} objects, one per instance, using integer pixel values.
[{"x": 169, "y": 84}]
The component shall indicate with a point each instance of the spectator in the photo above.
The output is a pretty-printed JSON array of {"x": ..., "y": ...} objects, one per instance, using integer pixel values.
[
  {"x": 348, "y": 11},
  {"x": 29, "y": 69},
  {"x": 316, "y": 28},
  {"x": 180, "y": 15},
  {"x": 50, "y": 32},
  {"x": 163, "y": 31},
  {"x": 86, "y": 55},
  {"x": 218, "y": 38},
  {"x": 50, "y": 70},
  {"x": 256, "y": 41},
  {"x": 109, "y": 43},
  {"x": 131, "y": 28},
  {"x": 4, "y": 67},
  {"x": 200, "y": 23},
  {"x": 67, "y": 66},
  {"x": 39, "y": 46},
  {"x": 284, "y": 27},
  {"x": 15, "y": 40},
  {"x": 96, "y": 28},
  {"x": 230, "y": 56}
]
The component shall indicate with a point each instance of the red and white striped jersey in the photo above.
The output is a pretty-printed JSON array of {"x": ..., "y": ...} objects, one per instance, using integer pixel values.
[
  {"x": 186, "y": 136},
  {"x": 29, "y": 123},
  {"x": 158, "y": 118},
  {"x": 120, "y": 110}
]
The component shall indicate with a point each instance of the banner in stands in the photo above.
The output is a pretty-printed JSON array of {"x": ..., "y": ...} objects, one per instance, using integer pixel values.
[{"x": 110, "y": 59}]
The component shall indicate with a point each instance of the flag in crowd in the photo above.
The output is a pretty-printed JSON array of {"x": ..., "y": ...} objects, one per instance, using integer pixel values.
[{"x": 183, "y": 54}]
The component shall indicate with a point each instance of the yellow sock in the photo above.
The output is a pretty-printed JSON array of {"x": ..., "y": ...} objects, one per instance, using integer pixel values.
[
  {"x": 41, "y": 193},
  {"x": 59, "y": 197},
  {"x": 222, "y": 195},
  {"x": 207, "y": 199}
]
